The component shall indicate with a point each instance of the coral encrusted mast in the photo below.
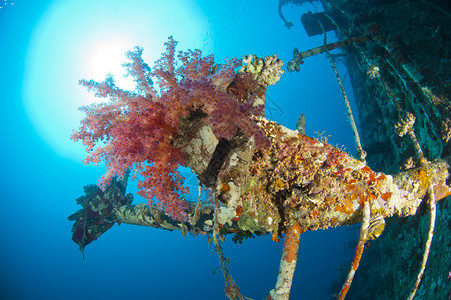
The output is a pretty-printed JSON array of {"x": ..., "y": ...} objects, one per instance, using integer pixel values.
[{"x": 263, "y": 178}]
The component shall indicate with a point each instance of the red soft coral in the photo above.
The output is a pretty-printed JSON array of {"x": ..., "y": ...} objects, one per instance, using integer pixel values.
[{"x": 134, "y": 130}]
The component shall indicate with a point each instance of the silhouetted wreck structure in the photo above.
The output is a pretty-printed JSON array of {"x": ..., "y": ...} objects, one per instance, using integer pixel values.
[{"x": 398, "y": 56}]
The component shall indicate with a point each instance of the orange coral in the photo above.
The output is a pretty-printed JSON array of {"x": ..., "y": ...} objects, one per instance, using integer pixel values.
[
  {"x": 225, "y": 187},
  {"x": 386, "y": 196},
  {"x": 346, "y": 207}
]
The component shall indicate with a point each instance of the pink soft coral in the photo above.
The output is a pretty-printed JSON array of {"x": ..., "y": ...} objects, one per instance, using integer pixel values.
[{"x": 134, "y": 130}]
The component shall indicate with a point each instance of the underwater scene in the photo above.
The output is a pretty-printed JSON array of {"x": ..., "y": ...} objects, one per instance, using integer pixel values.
[{"x": 194, "y": 149}]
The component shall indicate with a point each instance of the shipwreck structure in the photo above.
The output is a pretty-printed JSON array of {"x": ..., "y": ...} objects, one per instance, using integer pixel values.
[
  {"x": 264, "y": 178},
  {"x": 398, "y": 57}
]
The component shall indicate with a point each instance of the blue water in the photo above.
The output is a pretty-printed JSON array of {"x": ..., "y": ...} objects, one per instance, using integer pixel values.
[{"x": 40, "y": 182}]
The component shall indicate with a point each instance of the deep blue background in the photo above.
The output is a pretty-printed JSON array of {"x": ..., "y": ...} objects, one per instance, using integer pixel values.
[{"x": 38, "y": 260}]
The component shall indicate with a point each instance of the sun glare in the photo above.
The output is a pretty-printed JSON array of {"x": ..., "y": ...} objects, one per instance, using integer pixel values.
[
  {"x": 107, "y": 58},
  {"x": 64, "y": 50}
]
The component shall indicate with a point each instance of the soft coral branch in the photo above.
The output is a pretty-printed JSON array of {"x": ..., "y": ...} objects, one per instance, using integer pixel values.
[{"x": 140, "y": 71}]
